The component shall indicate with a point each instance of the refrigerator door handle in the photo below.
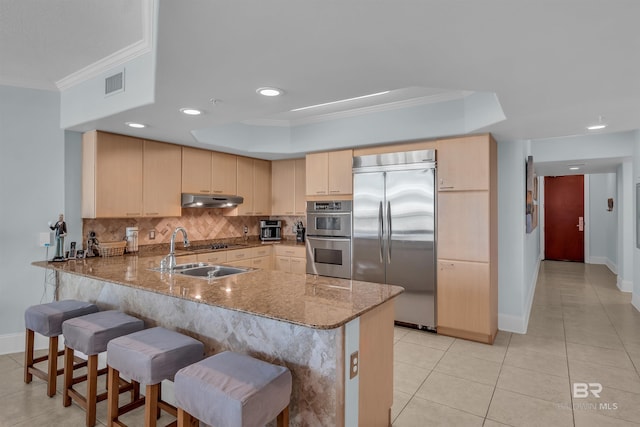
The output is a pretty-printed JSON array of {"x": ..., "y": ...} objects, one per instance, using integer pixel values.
[
  {"x": 389, "y": 232},
  {"x": 380, "y": 230}
]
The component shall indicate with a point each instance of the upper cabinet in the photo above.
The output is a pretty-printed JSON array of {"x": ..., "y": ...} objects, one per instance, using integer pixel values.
[
  {"x": 288, "y": 187},
  {"x": 161, "y": 179},
  {"x": 254, "y": 185},
  {"x": 463, "y": 163},
  {"x": 329, "y": 173},
  {"x": 208, "y": 172},
  {"x": 128, "y": 177},
  {"x": 196, "y": 171},
  {"x": 111, "y": 175}
]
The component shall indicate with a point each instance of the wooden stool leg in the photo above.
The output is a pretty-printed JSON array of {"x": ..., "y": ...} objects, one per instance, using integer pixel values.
[
  {"x": 28, "y": 355},
  {"x": 151, "y": 405},
  {"x": 113, "y": 395},
  {"x": 159, "y": 411},
  {"x": 52, "y": 372},
  {"x": 68, "y": 376},
  {"x": 92, "y": 389},
  {"x": 185, "y": 419},
  {"x": 283, "y": 418}
]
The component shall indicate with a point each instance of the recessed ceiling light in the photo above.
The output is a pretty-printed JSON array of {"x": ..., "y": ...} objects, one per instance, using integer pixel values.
[
  {"x": 600, "y": 124},
  {"x": 574, "y": 168},
  {"x": 190, "y": 111},
  {"x": 269, "y": 91},
  {"x": 342, "y": 100},
  {"x": 136, "y": 125}
]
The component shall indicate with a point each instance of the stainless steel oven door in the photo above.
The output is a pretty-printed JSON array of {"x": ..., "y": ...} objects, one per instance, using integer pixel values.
[
  {"x": 329, "y": 224},
  {"x": 329, "y": 256}
]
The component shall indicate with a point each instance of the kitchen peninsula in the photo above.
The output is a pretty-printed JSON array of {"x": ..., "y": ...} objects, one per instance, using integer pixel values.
[{"x": 319, "y": 327}]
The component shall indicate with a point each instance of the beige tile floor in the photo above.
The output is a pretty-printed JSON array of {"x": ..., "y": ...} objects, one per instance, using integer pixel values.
[{"x": 582, "y": 329}]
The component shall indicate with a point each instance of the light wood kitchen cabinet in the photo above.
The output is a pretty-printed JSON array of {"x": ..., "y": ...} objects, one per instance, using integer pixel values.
[
  {"x": 208, "y": 172},
  {"x": 161, "y": 179},
  {"x": 329, "y": 173},
  {"x": 218, "y": 257},
  {"x": 224, "y": 171},
  {"x": 288, "y": 195},
  {"x": 196, "y": 171},
  {"x": 111, "y": 175},
  {"x": 463, "y": 163},
  {"x": 263, "y": 262},
  {"x": 291, "y": 259},
  {"x": 467, "y": 236},
  {"x": 254, "y": 185}
]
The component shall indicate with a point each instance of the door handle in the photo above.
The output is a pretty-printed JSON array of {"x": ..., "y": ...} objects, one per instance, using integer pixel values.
[
  {"x": 389, "y": 232},
  {"x": 380, "y": 230},
  {"x": 580, "y": 223}
]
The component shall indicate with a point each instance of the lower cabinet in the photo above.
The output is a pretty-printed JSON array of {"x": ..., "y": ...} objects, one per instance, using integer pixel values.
[
  {"x": 219, "y": 257},
  {"x": 465, "y": 300},
  {"x": 291, "y": 259}
]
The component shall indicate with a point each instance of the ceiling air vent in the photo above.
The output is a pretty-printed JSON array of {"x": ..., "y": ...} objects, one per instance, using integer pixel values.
[{"x": 114, "y": 84}]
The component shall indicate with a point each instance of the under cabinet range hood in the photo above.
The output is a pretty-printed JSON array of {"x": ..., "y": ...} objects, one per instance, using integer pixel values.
[{"x": 210, "y": 200}]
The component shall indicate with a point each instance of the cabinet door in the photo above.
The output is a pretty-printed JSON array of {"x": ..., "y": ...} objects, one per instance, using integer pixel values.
[
  {"x": 463, "y": 163},
  {"x": 283, "y": 263},
  {"x": 261, "y": 187},
  {"x": 118, "y": 176},
  {"x": 223, "y": 173},
  {"x": 245, "y": 185},
  {"x": 298, "y": 265},
  {"x": 263, "y": 262},
  {"x": 464, "y": 296},
  {"x": 239, "y": 254},
  {"x": 340, "y": 175},
  {"x": 196, "y": 171},
  {"x": 261, "y": 251},
  {"x": 317, "y": 165},
  {"x": 283, "y": 188},
  {"x": 241, "y": 263},
  {"x": 161, "y": 179},
  {"x": 463, "y": 225},
  {"x": 300, "y": 199}
]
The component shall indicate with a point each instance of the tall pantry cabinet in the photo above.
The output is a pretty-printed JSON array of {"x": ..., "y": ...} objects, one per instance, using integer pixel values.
[{"x": 467, "y": 291}]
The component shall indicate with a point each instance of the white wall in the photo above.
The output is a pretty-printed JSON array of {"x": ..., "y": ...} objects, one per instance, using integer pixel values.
[
  {"x": 597, "y": 146},
  {"x": 626, "y": 235},
  {"x": 603, "y": 224},
  {"x": 32, "y": 190},
  {"x": 636, "y": 252}
]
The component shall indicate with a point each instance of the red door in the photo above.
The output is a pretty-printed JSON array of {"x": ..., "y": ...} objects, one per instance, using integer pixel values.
[{"x": 564, "y": 218}]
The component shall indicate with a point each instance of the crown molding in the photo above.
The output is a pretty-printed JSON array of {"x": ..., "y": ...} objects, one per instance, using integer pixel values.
[
  {"x": 267, "y": 122},
  {"x": 121, "y": 57},
  {"x": 29, "y": 84}
]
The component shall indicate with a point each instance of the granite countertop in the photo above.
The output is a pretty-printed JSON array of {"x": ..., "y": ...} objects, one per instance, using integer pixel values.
[{"x": 312, "y": 301}]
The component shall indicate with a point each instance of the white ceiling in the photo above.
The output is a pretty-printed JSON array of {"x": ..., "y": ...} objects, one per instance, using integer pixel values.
[{"x": 555, "y": 66}]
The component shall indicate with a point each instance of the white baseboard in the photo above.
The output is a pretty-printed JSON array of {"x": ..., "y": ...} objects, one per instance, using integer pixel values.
[
  {"x": 604, "y": 261},
  {"x": 14, "y": 343},
  {"x": 635, "y": 300},
  {"x": 511, "y": 323},
  {"x": 624, "y": 285}
]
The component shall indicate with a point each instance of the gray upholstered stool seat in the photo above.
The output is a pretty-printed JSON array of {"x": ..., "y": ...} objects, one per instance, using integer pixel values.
[
  {"x": 233, "y": 390},
  {"x": 149, "y": 357},
  {"x": 90, "y": 335},
  {"x": 46, "y": 319}
]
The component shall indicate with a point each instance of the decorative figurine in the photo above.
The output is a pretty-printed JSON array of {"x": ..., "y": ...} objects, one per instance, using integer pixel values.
[{"x": 61, "y": 230}]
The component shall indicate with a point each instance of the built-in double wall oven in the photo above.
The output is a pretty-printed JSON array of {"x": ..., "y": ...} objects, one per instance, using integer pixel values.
[{"x": 329, "y": 238}]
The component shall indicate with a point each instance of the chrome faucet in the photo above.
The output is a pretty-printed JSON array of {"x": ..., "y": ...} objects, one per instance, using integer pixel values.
[{"x": 168, "y": 263}]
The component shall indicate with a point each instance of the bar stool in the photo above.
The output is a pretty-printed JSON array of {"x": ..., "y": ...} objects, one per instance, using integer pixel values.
[
  {"x": 148, "y": 357},
  {"x": 46, "y": 319},
  {"x": 233, "y": 390},
  {"x": 90, "y": 334}
]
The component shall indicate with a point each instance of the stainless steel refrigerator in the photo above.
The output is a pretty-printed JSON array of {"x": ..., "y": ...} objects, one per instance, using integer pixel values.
[{"x": 394, "y": 198}]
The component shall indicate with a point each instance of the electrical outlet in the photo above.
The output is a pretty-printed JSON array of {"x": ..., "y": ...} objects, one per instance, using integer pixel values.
[
  {"x": 246, "y": 229},
  {"x": 353, "y": 366},
  {"x": 152, "y": 235}
]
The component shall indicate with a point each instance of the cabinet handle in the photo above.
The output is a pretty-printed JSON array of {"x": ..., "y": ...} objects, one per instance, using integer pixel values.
[
  {"x": 204, "y": 191},
  {"x": 152, "y": 213},
  {"x": 288, "y": 213},
  {"x": 321, "y": 192},
  {"x": 446, "y": 187},
  {"x": 133, "y": 214},
  {"x": 217, "y": 191},
  {"x": 334, "y": 191}
]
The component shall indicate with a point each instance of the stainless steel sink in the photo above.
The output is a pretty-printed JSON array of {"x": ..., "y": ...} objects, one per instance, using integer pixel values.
[
  {"x": 212, "y": 271},
  {"x": 205, "y": 270}
]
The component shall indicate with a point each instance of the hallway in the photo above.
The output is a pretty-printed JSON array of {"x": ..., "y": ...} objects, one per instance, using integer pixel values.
[{"x": 582, "y": 329}]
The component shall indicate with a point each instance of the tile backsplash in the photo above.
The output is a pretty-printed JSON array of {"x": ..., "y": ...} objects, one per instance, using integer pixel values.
[{"x": 201, "y": 224}]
